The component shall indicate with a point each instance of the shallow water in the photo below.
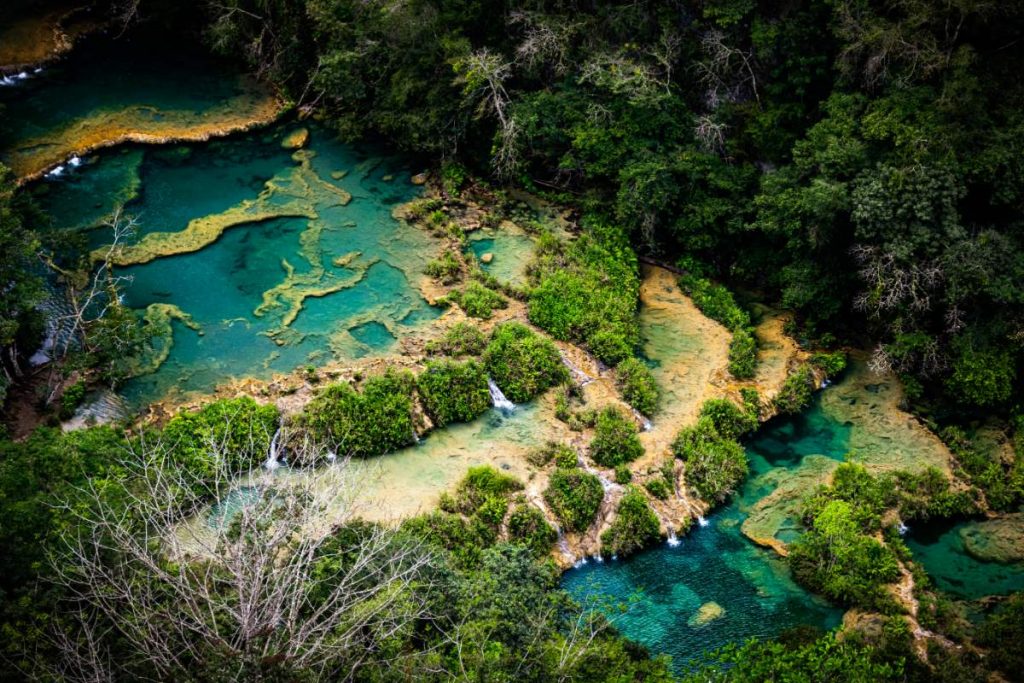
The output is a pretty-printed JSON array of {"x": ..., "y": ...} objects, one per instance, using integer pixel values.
[
  {"x": 353, "y": 287},
  {"x": 109, "y": 88},
  {"x": 716, "y": 563},
  {"x": 939, "y": 547}
]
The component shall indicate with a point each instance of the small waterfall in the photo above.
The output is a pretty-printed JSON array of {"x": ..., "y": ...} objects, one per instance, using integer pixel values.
[
  {"x": 273, "y": 462},
  {"x": 902, "y": 529},
  {"x": 75, "y": 161},
  {"x": 673, "y": 540},
  {"x": 415, "y": 437},
  {"x": 578, "y": 376},
  {"x": 563, "y": 545},
  {"x": 645, "y": 424},
  {"x": 14, "y": 79},
  {"x": 498, "y": 399},
  {"x": 701, "y": 521},
  {"x": 332, "y": 457},
  {"x": 55, "y": 172}
]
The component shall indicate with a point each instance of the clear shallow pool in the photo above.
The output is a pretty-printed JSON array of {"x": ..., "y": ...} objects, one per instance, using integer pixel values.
[
  {"x": 324, "y": 271},
  {"x": 115, "y": 89},
  {"x": 716, "y": 563},
  {"x": 940, "y": 548}
]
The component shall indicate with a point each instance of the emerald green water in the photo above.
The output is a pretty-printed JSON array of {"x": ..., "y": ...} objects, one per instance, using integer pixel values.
[
  {"x": 372, "y": 261},
  {"x": 939, "y": 547},
  {"x": 717, "y": 563}
]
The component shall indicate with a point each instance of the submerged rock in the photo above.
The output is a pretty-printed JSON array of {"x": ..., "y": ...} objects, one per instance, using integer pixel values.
[
  {"x": 419, "y": 179},
  {"x": 486, "y": 258},
  {"x": 995, "y": 540},
  {"x": 297, "y": 139},
  {"x": 707, "y": 613}
]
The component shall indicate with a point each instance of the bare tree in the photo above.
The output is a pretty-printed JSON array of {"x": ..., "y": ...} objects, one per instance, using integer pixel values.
[
  {"x": 482, "y": 75},
  {"x": 727, "y": 73},
  {"x": 255, "y": 581}
]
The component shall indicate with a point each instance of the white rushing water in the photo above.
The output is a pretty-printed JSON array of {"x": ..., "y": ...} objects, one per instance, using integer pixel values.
[
  {"x": 273, "y": 462},
  {"x": 498, "y": 399}
]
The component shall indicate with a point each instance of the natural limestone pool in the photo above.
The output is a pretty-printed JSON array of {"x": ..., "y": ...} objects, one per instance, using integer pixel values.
[{"x": 274, "y": 258}]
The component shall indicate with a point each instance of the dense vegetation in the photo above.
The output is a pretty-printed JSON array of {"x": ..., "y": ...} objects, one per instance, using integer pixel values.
[
  {"x": 522, "y": 363},
  {"x": 454, "y": 391},
  {"x": 716, "y": 463},
  {"x": 615, "y": 440},
  {"x": 574, "y": 496},
  {"x": 634, "y": 527}
]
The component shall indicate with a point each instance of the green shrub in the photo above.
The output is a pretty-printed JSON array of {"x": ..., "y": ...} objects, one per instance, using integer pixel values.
[
  {"x": 71, "y": 399},
  {"x": 454, "y": 391},
  {"x": 371, "y": 422},
  {"x": 751, "y": 401},
  {"x": 461, "y": 339},
  {"x": 715, "y": 301},
  {"x": 623, "y": 475},
  {"x": 447, "y": 269},
  {"x": 481, "y": 483},
  {"x": 635, "y": 526},
  {"x": 743, "y": 354},
  {"x": 837, "y": 558},
  {"x": 715, "y": 465},
  {"x": 565, "y": 456},
  {"x": 730, "y": 421},
  {"x": 478, "y": 301},
  {"x": 832, "y": 364},
  {"x": 449, "y": 532},
  {"x": 796, "y": 391},
  {"x": 527, "y": 526},
  {"x": 574, "y": 496},
  {"x": 453, "y": 177},
  {"x": 615, "y": 439},
  {"x": 240, "y": 428},
  {"x": 637, "y": 385},
  {"x": 587, "y": 291},
  {"x": 522, "y": 363},
  {"x": 658, "y": 488}
]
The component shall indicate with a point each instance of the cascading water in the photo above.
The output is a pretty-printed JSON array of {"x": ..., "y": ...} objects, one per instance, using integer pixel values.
[
  {"x": 645, "y": 424},
  {"x": 498, "y": 399},
  {"x": 673, "y": 540},
  {"x": 273, "y": 462},
  {"x": 578, "y": 376},
  {"x": 702, "y": 521}
]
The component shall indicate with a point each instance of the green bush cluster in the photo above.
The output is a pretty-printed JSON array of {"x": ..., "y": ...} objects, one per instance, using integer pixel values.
[
  {"x": 454, "y": 391},
  {"x": 564, "y": 456},
  {"x": 637, "y": 385},
  {"x": 715, "y": 464},
  {"x": 522, "y": 363},
  {"x": 477, "y": 300},
  {"x": 623, "y": 475},
  {"x": 717, "y": 303},
  {"x": 480, "y": 484},
  {"x": 461, "y": 339},
  {"x": 615, "y": 438},
  {"x": 447, "y": 270},
  {"x": 239, "y": 428},
  {"x": 587, "y": 291},
  {"x": 831, "y": 363},
  {"x": 574, "y": 496},
  {"x": 71, "y": 399},
  {"x": 796, "y": 392},
  {"x": 635, "y": 526},
  {"x": 730, "y": 421},
  {"x": 527, "y": 527},
  {"x": 375, "y": 420},
  {"x": 658, "y": 488},
  {"x": 1001, "y": 479}
]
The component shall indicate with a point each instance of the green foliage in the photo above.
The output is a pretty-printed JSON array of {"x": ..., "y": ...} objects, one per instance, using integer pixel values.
[
  {"x": 587, "y": 292},
  {"x": 522, "y": 363},
  {"x": 824, "y": 659},
  {"x": 453, "y": 177},
  {"x": 527, "y": 526},
  {"x": 482, "y": 483},
  {"x": 796, "y": 391},
  {"x": 71, "y": 399},
  {"x": 1004, "y": 627},
  {"x": 615, "y": 439},
  {"x": 461, "y": 339},
  {"x": 832, "y": 364},
  {"x": 982, "y": 378},
  {"x": 623, "y": 475},
  {"x": 837, "y": 558},
  {"x": 637, "y": 385},
  {"x": 239, "y": 428},
  {"x": 715, "y": 301},
  {"x": 658, "y": 488},
  {"x": 477, "y": 300},
  {"x": 635, "y": 526},
  {"x": 743, "y": 354},
  {"x": 373, "y": 421},
  {"x": 574, "y": 496},
  {"x": 729, "y": 420},
  {"x": 715, "y": 464},
  {"x": 454, "y": 391},
  {"x": 1002, "y": 480},
  {"x": 447, "y": 269}
]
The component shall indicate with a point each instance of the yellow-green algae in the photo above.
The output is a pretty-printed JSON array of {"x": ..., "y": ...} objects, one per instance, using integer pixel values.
[
  {"x": 157, "y": 323},
  {"x": 295, "y": 194},
  {"x": 254, "y": 106}
]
